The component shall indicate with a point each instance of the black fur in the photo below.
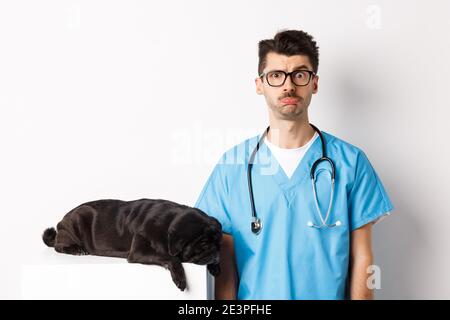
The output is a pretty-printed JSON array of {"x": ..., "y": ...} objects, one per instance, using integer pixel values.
[{"x": 145, "y": 231}]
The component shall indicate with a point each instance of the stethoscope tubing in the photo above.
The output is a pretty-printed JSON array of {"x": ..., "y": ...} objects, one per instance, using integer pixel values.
[{"x": 256, "y": 224}]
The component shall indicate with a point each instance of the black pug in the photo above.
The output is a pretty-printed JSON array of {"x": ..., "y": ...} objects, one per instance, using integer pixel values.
[{"x": 148, "y": 231}]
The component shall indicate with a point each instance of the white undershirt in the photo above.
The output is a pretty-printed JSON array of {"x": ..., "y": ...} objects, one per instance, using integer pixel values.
[{"x": 289, "y": 158}]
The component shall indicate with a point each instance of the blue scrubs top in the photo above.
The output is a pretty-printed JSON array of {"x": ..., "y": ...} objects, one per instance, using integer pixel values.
[{"x": 288, "y": 259}]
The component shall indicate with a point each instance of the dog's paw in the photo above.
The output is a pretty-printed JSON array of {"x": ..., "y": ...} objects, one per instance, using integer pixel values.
[
  {"x": 181, "y": 284},
  {"x": 75, "y": 250},
  {"x": 81, "y": 252},
  {"x": 214, "y": 269},
  {"x": 178, "y": 276}
]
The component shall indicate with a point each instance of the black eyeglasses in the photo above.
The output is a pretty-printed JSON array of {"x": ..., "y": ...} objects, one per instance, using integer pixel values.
[{"x": 277, "y": 78}]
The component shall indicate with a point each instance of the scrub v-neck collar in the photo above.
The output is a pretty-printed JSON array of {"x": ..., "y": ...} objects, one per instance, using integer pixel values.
[{"x": 289, "y": 186}]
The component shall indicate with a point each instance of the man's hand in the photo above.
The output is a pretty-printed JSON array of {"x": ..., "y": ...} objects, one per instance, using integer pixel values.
[
  {"x": 226, "y": 282},
  {"x": 361, "y": 258}
]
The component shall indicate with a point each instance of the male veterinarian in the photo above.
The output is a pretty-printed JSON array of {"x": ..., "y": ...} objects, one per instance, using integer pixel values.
[{"x": 296, "y": 204}]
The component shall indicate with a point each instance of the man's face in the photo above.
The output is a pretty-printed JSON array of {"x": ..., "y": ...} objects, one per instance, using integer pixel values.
[{"x": 277, "y": 98}]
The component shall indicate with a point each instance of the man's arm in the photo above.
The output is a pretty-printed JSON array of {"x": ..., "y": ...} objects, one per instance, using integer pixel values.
[
  {"x": 361, "y": 258},
  {"x": 226, "y": 282}
]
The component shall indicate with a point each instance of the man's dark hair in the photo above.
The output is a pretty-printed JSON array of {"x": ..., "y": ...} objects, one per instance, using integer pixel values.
[{"x": 289, "y": 43}]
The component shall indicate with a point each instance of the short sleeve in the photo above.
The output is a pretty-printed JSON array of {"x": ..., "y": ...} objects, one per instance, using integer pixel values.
[
  {"x": 367, "y": 199},
  {"x": 214, "y": 200}
]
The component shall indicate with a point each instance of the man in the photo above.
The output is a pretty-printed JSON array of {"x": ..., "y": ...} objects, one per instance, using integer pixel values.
[{"x": 302, "y": 251}]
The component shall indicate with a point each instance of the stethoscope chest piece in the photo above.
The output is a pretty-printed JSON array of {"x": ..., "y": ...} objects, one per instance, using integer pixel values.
[
  {"x": 256, "y": 225},
  {"x": 312, "y": 225}
]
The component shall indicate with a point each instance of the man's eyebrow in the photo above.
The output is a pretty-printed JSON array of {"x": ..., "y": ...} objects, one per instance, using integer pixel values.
[{"x": 301, "y": 67}]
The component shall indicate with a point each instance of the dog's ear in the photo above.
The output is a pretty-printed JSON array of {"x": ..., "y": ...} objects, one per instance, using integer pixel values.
[{"x": 175, "y": 242}]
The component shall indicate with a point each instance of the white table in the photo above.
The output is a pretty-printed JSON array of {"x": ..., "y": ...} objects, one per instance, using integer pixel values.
[{"x": 52, "y": 275}]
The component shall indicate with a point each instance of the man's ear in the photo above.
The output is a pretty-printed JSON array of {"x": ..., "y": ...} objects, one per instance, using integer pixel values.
[
  {"x": 315, "y": 84},
  {"x": 259, "y": 84}
]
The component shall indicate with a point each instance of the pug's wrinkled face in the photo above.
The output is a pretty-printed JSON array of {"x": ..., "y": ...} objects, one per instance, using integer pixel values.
[
  {"x": 205, "y": 248},
  {"x": 196, "y": 238}
]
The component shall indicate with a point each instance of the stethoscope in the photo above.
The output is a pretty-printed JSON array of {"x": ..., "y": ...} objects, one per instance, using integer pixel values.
[{"x": 257, "y": 223}]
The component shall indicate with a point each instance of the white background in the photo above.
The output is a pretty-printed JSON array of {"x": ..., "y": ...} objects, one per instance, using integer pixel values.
[{"x": 138, "y": 99}]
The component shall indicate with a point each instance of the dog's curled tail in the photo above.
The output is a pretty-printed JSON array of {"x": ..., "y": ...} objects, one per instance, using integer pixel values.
[{"x": 49, "y": 237}]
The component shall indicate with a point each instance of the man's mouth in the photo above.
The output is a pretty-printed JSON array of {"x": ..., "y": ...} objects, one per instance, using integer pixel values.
[{"x": 289, "y": 101}]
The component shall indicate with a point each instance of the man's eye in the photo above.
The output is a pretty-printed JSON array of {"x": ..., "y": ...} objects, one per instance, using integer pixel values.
[
  {"x": 300, "y": 75},
  {"x": 275, "y": 75}
]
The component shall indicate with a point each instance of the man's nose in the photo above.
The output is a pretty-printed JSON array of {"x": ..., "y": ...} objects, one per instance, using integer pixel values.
[{"x": 288, "y": 84}]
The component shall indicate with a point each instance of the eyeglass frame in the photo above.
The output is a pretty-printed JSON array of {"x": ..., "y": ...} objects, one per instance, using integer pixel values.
[{"x": 286, "y": 74}]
